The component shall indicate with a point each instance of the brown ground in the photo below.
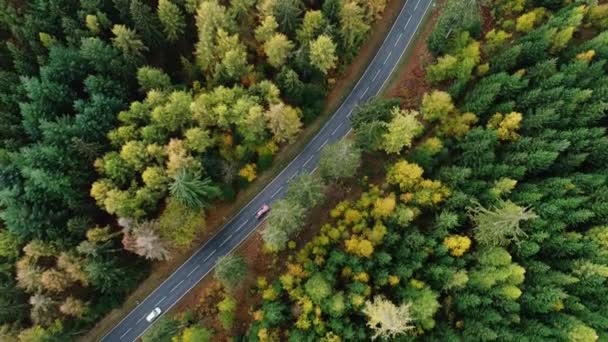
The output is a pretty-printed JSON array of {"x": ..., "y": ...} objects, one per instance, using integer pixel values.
[{"x": 410, "y": 83}]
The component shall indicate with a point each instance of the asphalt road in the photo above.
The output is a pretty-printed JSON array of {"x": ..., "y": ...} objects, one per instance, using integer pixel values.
[{"x": 245, "y": 223}]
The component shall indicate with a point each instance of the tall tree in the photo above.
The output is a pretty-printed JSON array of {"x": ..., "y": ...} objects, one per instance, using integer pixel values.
[
  {"x": 192, "y": 191},
  {"x": 323, "y": 53},
  {"x": 172, "y": 18},
  {"x": 340, "y": 160},
  {"x": 230, "y": 270},
  {"x": 277, "y": 49}
]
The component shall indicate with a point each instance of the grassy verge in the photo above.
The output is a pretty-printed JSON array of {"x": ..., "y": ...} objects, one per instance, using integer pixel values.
[{"x": 343, "y": 87}]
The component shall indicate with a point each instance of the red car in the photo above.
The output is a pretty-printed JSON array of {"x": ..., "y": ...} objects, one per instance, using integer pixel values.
[{"x": 263, "y": 211}]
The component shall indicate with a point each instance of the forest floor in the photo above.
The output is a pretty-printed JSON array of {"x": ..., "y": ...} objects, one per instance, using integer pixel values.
[{"x": 221, "y": 213}]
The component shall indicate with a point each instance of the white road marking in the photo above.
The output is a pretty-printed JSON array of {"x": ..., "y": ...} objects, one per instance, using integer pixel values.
[
  {"x": 126, "y": 332},
  {"x": 276, "y": 192},
  {"x": 365, "y": 92},
  {"x": 349, "y": 113},
  {"x": 350, "y": 130},
  {"x": 322, "y": 145},
  {"x": 227, "y": 239},
  {"x": 174, "y": 287},
  {"x": 376, "y": 75},
  {"x": 313, "y": 170},
  {"x": 165, "y": 297},
  {"x": 408, "y": 22},
  {"x": 399, "y": 38},
  {"x": 209, "y": 256},
  {"x": 335, "y": 130},
  {"x": 406, "y": 45},
  {"x": 196, "y": 268},
  {"x": 293, "y": 176},
  {"x": 139, "y": 320},
  {"x": 307, "y": 161},
  {"x": 241, "y": 226},
  {"x": 387, "y": 57},
  {"x": 416, "y": 5}
]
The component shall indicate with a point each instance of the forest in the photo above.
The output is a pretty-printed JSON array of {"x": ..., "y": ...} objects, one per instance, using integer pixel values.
[
  {"x": 123, "y": 122},
  {"x": 487, "y": 220}
]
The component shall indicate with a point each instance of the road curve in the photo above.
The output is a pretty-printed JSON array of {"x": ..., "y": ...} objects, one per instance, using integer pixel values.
[{"x": 244, "y": 223}]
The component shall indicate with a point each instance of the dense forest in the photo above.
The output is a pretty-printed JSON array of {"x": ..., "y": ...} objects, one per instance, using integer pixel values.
[
  {"x": 489, "y": 221},
  {"x": 123, "y": 121}
]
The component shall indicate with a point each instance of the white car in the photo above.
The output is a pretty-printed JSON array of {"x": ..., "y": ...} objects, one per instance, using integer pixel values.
[{"x": 153, "y": 315}]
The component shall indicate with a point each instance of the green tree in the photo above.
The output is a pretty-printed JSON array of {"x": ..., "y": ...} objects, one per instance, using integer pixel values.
[
  {"x": 437, "y": 106},
  {"x": 180, "y": 224},
  {"x": 401, "y": 130},
  {"x": 340, "y": 160},
  {"x": 284, "y": 122},
  {"x": 190, "y": 190},
  {"x": 230, "y": 270},
  {"x": 285, "y": 220},
  {"x": 146, "y": 23},
  {"x": 152, "y": 78},
  {"x": 287, "y": 14},
  {"x": 127, "y": 40},
  {"x": 196, "y": 333},
  {"x": 306, "y": 190},
  {"x": 323, "y": 53},
  {"x": 313, "y": 24},
  {"x": 267, "y": 29},
  {"x": 172, "y": 19},
  {"x": 353, "y": 26},
  {"x": 277, "y": 49},
  {"x": 162, "y": 330}
]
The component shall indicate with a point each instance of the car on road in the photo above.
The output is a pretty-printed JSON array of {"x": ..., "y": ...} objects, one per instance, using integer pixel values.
[
  {"x": 262, "y": 211},
  {"x": 153, "y": 315}
]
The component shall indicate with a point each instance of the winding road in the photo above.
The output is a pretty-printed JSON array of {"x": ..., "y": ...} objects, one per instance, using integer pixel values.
[{"x": 244, "y": 222}]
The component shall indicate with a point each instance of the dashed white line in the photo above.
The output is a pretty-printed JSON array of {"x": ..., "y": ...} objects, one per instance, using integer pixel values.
[
  {"x": 226, "y": 240},
  {"x": 313, "y": 170},
  {"x": 336, "y": 129},
  {"x": 196, "y": 268},
  {"x": 408, "y": 22},
  {"x": 174, "y": 287},
  {"x": 350, "y": 130},
  {"x": 209, "y": 256},
  {"x": 376, "y": 75},
  {"x": 322, "y": 145},
  {"x": 126, "y": 332},
  {"x": 308, "y": 160},
  {"x": 276, "y": 192},
  {"x": 365, "y": 92},
  {"x": 293, "y": 176},
  {"x": 416, "y": 5},
  {"x": 165, "y": 297},
  {"x": 139, "y": 320},
  {"x": 349, "y": 113},
  {"x": 387, "y": 57},
  {"x": 398, "y": 39},
  {"x": 241, "y": 226}
]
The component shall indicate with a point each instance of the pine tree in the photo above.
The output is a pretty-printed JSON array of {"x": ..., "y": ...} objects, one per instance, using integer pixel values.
[{"x": 172, "y": 19}]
